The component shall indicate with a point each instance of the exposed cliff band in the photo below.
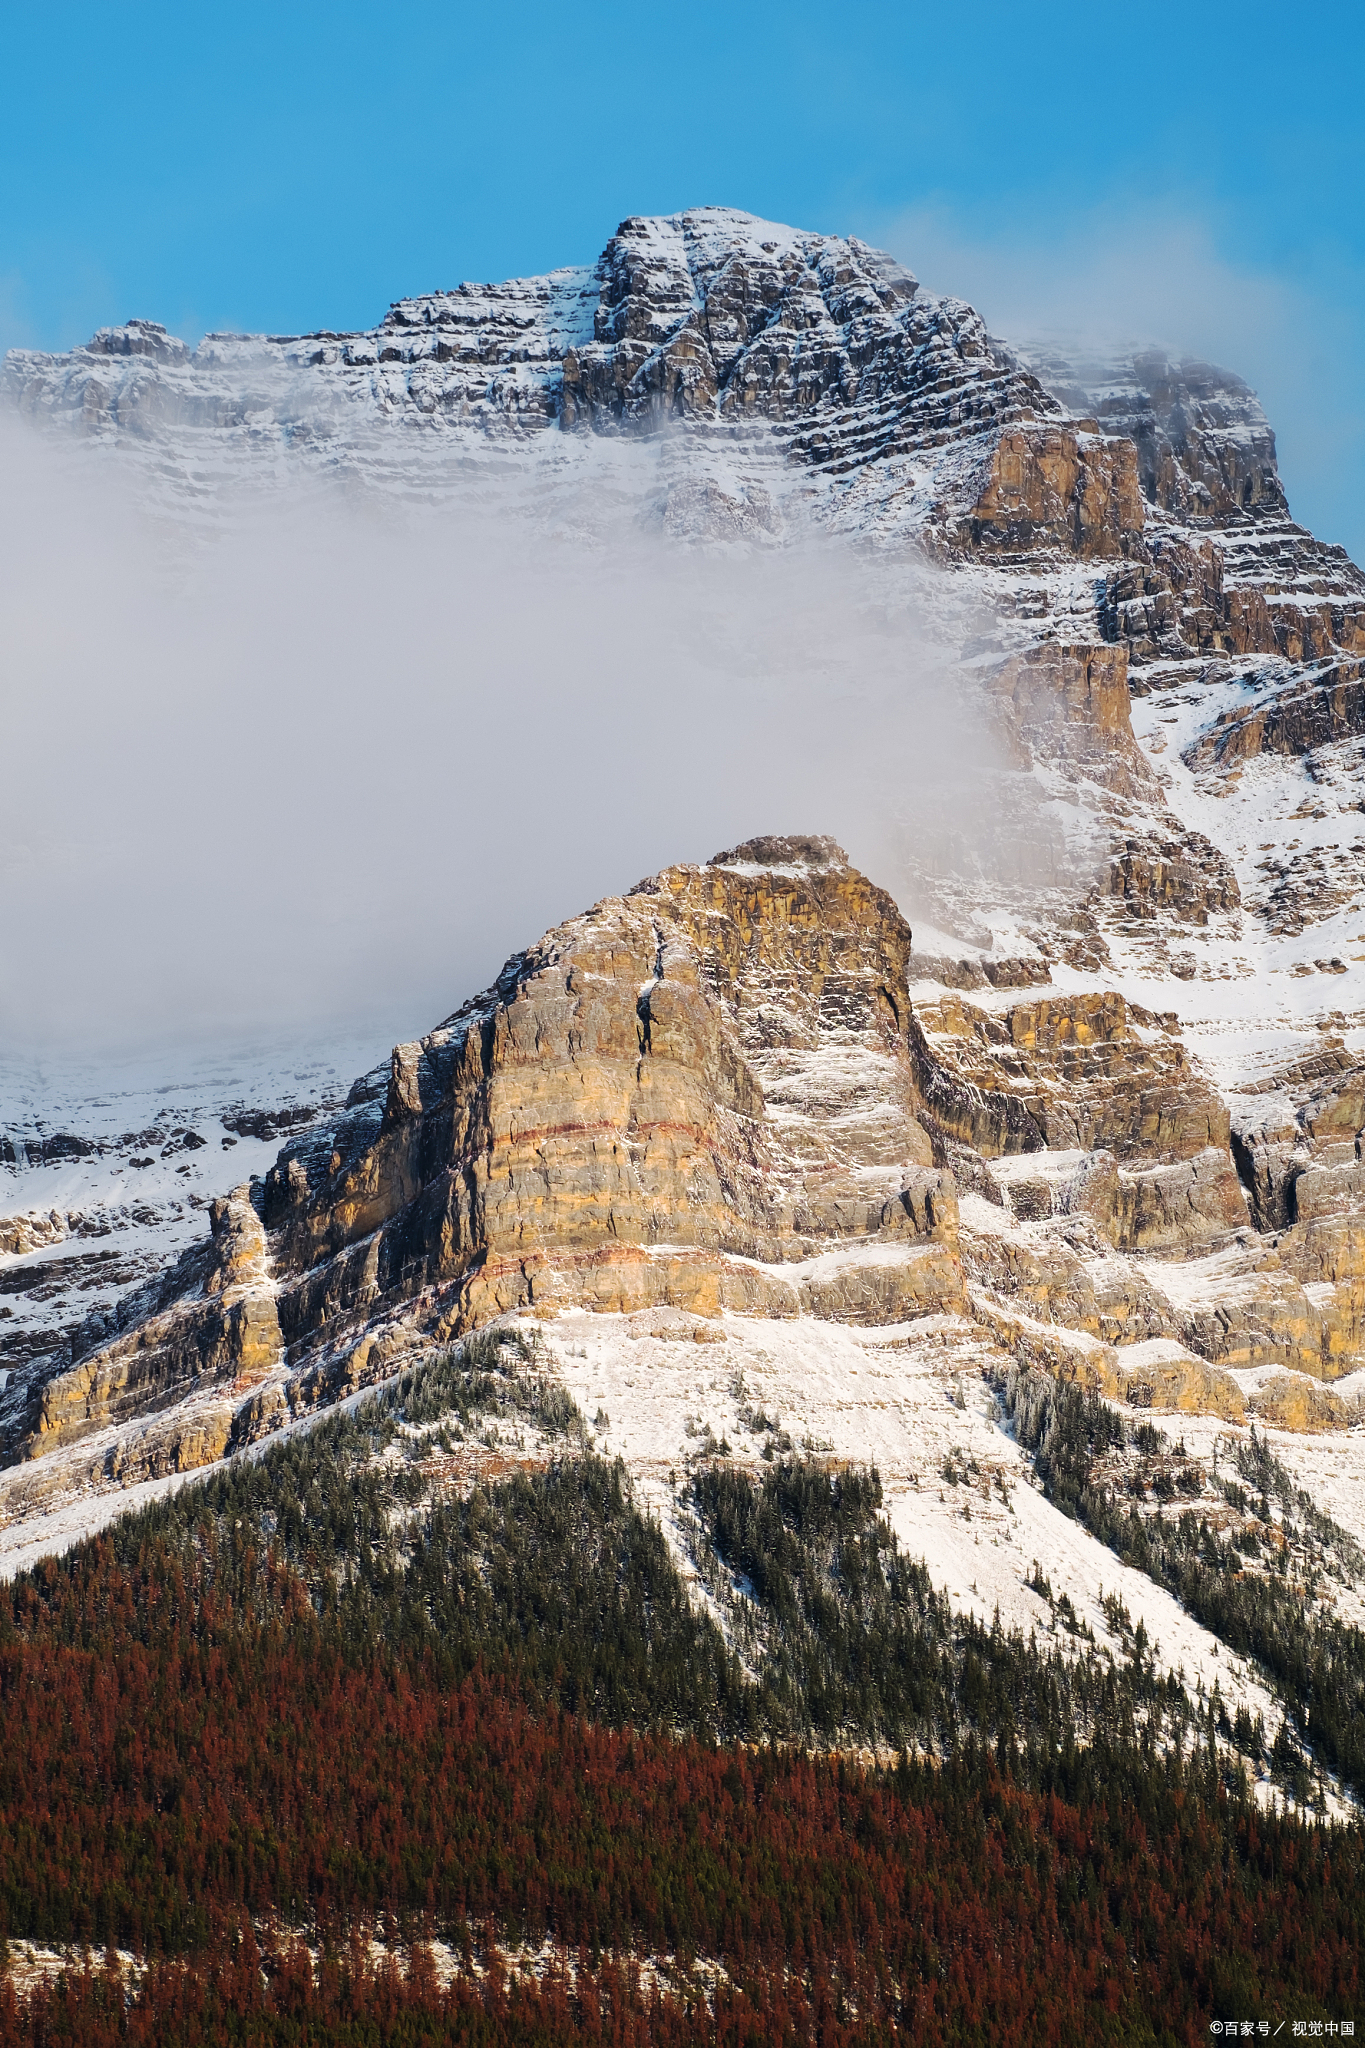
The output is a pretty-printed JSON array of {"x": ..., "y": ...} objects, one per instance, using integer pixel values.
[
  {"x": 692, "y": 1096},
  {"x": 713, "y": 1094}
]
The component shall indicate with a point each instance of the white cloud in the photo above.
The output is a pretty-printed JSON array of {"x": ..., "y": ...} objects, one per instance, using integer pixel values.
[{"x": 338, "y": 761}]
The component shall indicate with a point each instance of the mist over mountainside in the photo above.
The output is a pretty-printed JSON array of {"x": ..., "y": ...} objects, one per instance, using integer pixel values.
[
  {"x": 993, "y": 1117},
  {"x": 226, "y": 730}
]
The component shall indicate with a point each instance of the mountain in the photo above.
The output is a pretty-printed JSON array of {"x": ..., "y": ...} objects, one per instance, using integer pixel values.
[
  {"x": 887, "y": 409},
  {"x": 793, "y": 1469},
  {"x": 764, "y": 1174}
]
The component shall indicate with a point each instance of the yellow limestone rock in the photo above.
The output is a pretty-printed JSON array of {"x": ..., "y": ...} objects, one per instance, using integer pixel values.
[
  {"x": 698, "y": 1096},
  {"x": 1181, "y": 1385},
  {"x": 695, "y": 1096},
  {"x": 1056, "y": 485},
  {"x": 710, "y": 1094},
  {"x": 223, "y": 1327},
  {"x": 1089, "y": 1072},
  {"x": 19, "y": 1234},
  {"x": 1292, "y": 1402},
  {"x": 180, "y": 1443}
]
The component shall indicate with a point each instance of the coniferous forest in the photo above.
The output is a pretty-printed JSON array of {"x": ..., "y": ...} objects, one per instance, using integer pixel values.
[{"x": 323, "y": 1751}]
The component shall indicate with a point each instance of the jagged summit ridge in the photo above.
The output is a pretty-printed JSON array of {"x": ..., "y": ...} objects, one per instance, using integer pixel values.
[
  {"x": 710, "y": 316},
  {"x": 790, "y": 378}
]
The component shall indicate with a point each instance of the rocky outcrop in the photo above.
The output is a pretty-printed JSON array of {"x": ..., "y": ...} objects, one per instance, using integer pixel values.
[
  {"x": 695, "y": 1083},
  {"x": 29, "y": 1233},
  {"x": 1305, "y": 1164},
  {"x": 1178, "y": 596},
  {"x": 1178, "y": 876},
  {"x": 215, "y": 1325},
  {"x": 711, "y": 316},
  {"x": 714, "y": 1093},
  {"x": 1223, "y": 570},
  {"x": 1055, "y": 487},
  {"x": 1073, "y": 1072},
  {"x": 1303, "y": 713},
  {"x": 1177, "y": 1384},
  {"x": 1068, "y": 706},
  {"x": 697, "y": 1096},
  {"x": 1067, "y": 1277},
  {"x": 1203, "y": 446},
  {"x": 1292, "y": 1402},
  {"x": 1258, "y": 1310},
  {"x": 1069, "y": 702},
  {"x": 1168, "y": 1208},
  {"x": 193, "y": 1436}
]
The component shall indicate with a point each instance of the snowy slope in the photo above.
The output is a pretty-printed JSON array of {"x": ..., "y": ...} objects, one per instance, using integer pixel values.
[{"x": 107, "y": 1171}]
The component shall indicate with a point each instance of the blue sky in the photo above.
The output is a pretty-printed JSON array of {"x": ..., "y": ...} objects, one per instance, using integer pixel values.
[{"x": 1188, "y": 172}]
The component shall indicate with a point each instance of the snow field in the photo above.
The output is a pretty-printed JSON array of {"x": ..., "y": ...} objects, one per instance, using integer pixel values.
[{"x": 908, "y": 1399}]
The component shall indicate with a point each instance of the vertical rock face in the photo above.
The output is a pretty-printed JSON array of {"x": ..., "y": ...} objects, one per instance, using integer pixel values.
[
  {"x": 1084, "y": 1071},
  {"x": 1223, "y": 569},
  {"x": 699, "y": 1095},
  {"x": 1057, "y": 487},
  {"x": 693, "y": 1082},
  {"x": 217, "y": 1326},
  {"x": 1069, "y": 702}
]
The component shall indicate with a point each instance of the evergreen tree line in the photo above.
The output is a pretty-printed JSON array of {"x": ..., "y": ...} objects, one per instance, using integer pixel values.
[
  {"x": 320, "y": 1690},
  {"x": 1238, "y": 1585},
  {"x": 553, "y": 1574}
]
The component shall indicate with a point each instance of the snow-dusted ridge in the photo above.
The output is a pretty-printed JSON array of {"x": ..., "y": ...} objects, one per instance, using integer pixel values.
[
  {"x": 107, "y": 1172},
  {"x": 760, "y": 339}
]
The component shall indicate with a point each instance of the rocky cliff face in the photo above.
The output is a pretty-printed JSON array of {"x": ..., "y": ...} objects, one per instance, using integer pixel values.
[
  {"x": 1204, "y": 447},
  {"x": 711, "y": 319},
  {"x": 811, "y": 348},
  {"x": 698, "y": 1096},
  {"x": 794, "y": 378},
  {"x": 716, "y": 1094}
]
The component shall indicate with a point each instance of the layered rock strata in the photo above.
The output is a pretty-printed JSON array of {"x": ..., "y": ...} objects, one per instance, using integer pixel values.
[
  {"x": 1127, "y": 515},
  {"x": 822, "y": 351},
  {"x": 700, "y": 1095},
  {"x": 715, "y": 1094},
  {"x": 715, "y": 1091}
]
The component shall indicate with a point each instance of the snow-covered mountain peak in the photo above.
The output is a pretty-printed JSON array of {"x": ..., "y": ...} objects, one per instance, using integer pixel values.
[{"x": 711, "y": 320}]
